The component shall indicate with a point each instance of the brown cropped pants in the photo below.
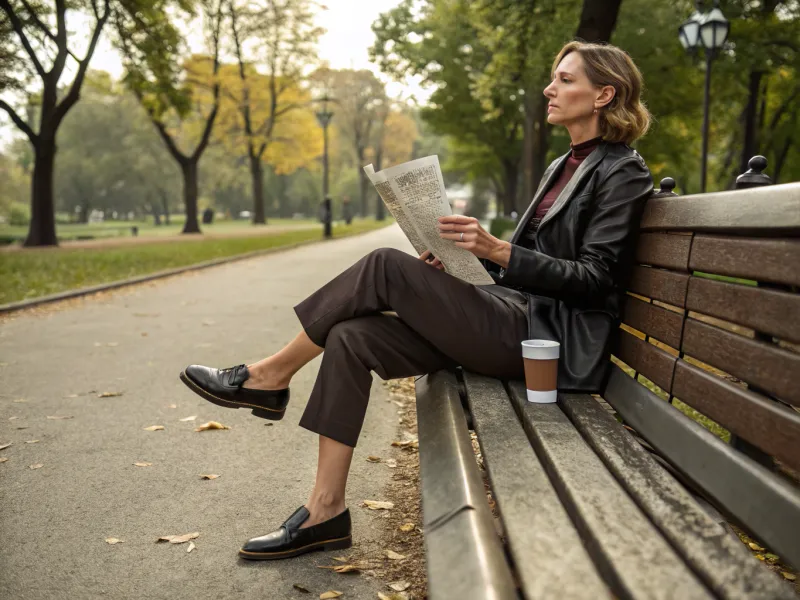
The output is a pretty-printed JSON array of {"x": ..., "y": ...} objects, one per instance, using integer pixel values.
[{"x": 443, "y": 322}]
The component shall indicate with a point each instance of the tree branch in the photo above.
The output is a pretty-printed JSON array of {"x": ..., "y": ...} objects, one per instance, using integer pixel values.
[
  {"x": 19, "y": 122},
  {"x": 19, "y": 28},
  {"x": 46, "y": 30}
]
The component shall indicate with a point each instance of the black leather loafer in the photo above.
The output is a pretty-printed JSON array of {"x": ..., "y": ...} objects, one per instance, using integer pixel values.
[
  {"x": 223, "y": 387},
  {"x": 289, "y": 540}
]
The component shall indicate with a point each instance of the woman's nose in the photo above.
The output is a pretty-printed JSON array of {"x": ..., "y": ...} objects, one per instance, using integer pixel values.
[{"x": 548, "y": 91}]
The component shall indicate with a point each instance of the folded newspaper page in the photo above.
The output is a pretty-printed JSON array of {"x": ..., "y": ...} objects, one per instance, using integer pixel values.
[{"x": 415, "y": 196}]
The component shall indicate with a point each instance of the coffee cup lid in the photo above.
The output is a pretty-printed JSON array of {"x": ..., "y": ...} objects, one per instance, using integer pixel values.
[{"x": 540, "y": 349}]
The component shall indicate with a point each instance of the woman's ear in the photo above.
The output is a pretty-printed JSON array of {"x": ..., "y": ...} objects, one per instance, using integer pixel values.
[{"x": 607, "y": 94}]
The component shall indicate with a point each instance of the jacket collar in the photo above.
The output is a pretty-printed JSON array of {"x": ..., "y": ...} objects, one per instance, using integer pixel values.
[{"x": 550, "y": 177}]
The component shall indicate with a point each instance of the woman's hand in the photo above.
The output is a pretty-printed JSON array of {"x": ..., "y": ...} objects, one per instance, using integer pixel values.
[
  {"x": 426, "y": 256},
  {"x": 475, "y": 238}
]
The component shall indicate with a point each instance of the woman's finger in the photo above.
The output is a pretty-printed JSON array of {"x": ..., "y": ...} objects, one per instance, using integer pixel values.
[{"x": 425, "y": 255}]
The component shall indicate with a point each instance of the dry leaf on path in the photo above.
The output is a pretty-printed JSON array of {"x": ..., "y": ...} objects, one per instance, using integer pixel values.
[
  {"x": 71, "y": 396},
  {"x": 113, "y": 541},
  {"x": 173, "y": 406},
  {"x": 211, "y": 425},
  {"x": 329, "y": 594},
  {"x": 400, "y": 586},
  {"x": 394, "y": 596},
  {"x": 178, "y": 539},
  {"x": 32, "y": 441},
  {"x": 4, "y": 459},
  {"x": 391, "y": 463},
  {"x": 756, "y": 547},
  {"x": 343, "y": 559},
  {"x": 374, "y": 459},
  {"x": 208, "y": 476},
  {"x": 4, "y": 446},
  {"x": 36, "y": 466},
  {"x": 64, "y": 417},
  {"x": 300, "y": 588},
  {"x": 154, "y": 428},
  {"x": 394, "y": 555},
  {"x": 143, "y": 464},
  {"x": 109, "y": 394},
  {"x": 407, "y": 527},
  {"x": 341, "y": 568},
  {"x": 192, "y": 418},
  {"x": 13, "y": 418},
  {"x": 789, "y": 576},
  {"x": 191, "y": 547},
  {"x": 378, "y": 504},
  {"x": 20, "y": 400}
]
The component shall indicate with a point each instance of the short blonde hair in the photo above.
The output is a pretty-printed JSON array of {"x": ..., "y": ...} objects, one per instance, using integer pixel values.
[{"x": 625, "y": 118}]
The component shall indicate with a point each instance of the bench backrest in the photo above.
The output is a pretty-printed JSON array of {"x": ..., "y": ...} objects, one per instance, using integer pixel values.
[{"x": 713, "y": 320}]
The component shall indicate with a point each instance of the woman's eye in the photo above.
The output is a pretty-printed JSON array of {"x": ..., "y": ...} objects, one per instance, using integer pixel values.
[{"x": 565, "y": 80}]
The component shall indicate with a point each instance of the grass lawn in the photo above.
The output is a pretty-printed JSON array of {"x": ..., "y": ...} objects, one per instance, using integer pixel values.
[{"x": 31, "y": 273}]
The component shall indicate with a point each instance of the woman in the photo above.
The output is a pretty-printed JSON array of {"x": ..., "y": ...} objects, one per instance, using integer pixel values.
[{"x": 560, "y": 277}]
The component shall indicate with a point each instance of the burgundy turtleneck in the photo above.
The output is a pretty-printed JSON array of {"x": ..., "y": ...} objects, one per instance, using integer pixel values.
[{"x": 576, "y": 157}]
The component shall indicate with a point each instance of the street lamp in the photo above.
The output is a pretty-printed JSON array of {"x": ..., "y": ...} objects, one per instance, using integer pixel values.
[
  {"x": 324, "y": 117},
  {"x": 709, "y": 30}
]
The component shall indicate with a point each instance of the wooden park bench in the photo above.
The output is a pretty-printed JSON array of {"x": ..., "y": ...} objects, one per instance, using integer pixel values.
[{"x": 623, "y": 496}]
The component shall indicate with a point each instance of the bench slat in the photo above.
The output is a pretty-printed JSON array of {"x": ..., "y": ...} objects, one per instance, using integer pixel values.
[
  {"x": 659, "y": 284},
  {"x": 664, "y": 250},
  {"x": 769, "y": 210},
  {"x": 765, "y": 504},
  {"x": 769, "y": 260},
  {"x": 654, "y": 363},
  {"x": 774, "y": 312},
  {"x": 623, "y": 542},
  {"x": 550, "y": 559},
  {"x": 716, "y": 555},
  {"x": 761, "y": 421},
  {"x": 764, "y": 365},
  {"x": 657, "y": 322},
  {"x": 464, "y": 556}
]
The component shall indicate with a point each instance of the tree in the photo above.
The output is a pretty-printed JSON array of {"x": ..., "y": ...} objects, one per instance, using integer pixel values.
[
  {"x": 178, "y": 93},
  {"x": 284, "y": 36}
]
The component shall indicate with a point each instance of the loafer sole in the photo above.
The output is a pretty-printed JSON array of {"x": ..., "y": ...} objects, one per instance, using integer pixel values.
[
  {"x": 334, "y": 544},
  {"x": 272, "y": 414}
]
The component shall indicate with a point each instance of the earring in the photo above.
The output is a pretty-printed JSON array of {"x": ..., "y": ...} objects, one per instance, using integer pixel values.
[{"x": 595, "y": 111}]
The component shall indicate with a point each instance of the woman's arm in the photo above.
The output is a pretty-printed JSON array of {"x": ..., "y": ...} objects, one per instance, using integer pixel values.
[{"x": 608, "y": 238}]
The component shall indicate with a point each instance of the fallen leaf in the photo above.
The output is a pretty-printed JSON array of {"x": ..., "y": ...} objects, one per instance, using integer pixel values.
[
  {"x": 71, "y": 396},
  {"x": 391, "y": 463},
  {"x": 32, "y": 441},
  {"x": 178, "y": 539},
  {"x": 300, "y": 588},
  {"x": 64, "y": 417},
  {"x": 268, "y": 424},
  {"x": 4, "y": 459},
  {"x": 192, "y": 418},
  {"x": 113, "y": 541},
  {"x": 13, "y": 418},
  {"x": 378, "y": 504},
  {"x": 400, "y": 586},
  {"x": 22, "y": 427},
  {"x": 20, "y": 400},
  {"x": 760, "y": 556},
  {"x": 789, "y": 576},
  {"x": 4, "y": 446},
  {"x": 394, "y": 555},
  {"x": 191, "y": 547},
  {"x": 36, "y": 466},
  {"x": 154, "y": 428},
  {"x": 407, "y": 527},
  {"x": 395, "y": 596},
  {"x": 173, "y": 406},
  {"x": 330, "y": 594},
  {"x": 756, "y": 547},
  {"x": 341, "y": 568},
  {"x": 373, "y": 459},
  {"x": 208, "y": 476},
  {"x": 772, "y": 558},
  {"x": 341, "y": 558},
  {"x": 211, "y": 425},
  {"x": 109, "y": 394},
  {"x": 143, "y": 464}
]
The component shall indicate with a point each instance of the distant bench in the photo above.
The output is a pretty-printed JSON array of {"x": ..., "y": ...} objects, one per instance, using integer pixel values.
[{"x": 590, "y": 509}]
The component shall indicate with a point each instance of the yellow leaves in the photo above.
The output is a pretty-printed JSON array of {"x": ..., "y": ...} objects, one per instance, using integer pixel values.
[
  {"x": 400, "y": 586},
  {"x": 392, "y": 555},
  {"x": 143, "y": 464},
  {"x": 300, "y": 588},
  {"x": 789, "y": 576},
  {"x": 36, "y": 466},
  {"x": 191, "y": 547},
  {"x": 113, "y": 541},
  {"x": 32, "y": 441},
  {"x": 211, "y": 425},
  {"x": 329, "y": 595},
  {"x": 342, "y": 568},
  {"x": 154, "y": 428},
  {"x": 109, "y": 394},
  {"x": 208, "y": 476},
  {"x": 4, "y": 446},
  {"x": 374, "y": 459},
  {"x": 756, "y": 547},
  {"x": 406, "y": 527},
  {"x": 179, "y": 539},
  {"x": 395, "y": 596},
  {"x": 378, "y": 504},
  {"x": 3, "y": 459},
  {"x": 192, "y": 418}
]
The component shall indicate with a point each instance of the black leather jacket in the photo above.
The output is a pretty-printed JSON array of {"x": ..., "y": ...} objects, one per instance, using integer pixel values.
[{"x": 573, "y": 279}]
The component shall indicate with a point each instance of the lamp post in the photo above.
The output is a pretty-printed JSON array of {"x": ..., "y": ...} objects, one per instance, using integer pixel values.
[
  {"x": 709, "y": 30},
  {"x": 324, "y": 117}
]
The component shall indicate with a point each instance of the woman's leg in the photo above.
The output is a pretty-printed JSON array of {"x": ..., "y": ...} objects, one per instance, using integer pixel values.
[
  {"x": 276, "y": 371},
  {"x": 333, "y": 465}
]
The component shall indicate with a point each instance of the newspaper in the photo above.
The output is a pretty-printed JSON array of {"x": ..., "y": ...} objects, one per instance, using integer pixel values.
[{"x": 415, "y": 196}]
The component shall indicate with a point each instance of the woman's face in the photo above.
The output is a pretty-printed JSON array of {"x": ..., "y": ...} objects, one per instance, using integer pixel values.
[{"x": 572, "y": 97}]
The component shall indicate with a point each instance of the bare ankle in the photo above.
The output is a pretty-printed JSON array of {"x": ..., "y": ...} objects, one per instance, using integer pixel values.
[
  {"x": 265, "y": 375},
  {"x": 323, "y": 506}
]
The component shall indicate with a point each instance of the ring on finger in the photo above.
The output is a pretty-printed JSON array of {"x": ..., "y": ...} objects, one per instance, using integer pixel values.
[{"x": 462, "y": 236}]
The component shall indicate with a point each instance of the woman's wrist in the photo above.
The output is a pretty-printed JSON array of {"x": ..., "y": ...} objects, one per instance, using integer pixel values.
[{"x": 501, "y": 254}]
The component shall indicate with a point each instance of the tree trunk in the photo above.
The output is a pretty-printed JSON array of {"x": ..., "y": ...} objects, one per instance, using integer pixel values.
[
  {"x": 511, "y": 170},
  {"x": 42, "y": 230},
  {"x": 165, "y": 205},
  {"x": 257, "y": 173},
  {"x": 750, "y": 116},
  {"x": 598, "y": 19},
  {"x": 362, "y": 186},
  {"x": 780, "y": 160},
  {"x": 528, "y": 134},
  {"x": 189, "y": 169},
  {"x": 83, "y": 215}
]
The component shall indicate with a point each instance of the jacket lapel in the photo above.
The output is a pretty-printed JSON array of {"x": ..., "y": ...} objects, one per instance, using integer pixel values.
[
  {"x": 547, "y": 181},
  {"x": 585, "y": 169}
]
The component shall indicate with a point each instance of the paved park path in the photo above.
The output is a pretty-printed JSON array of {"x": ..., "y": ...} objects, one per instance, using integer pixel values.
[{"x": 54, "y": 520}]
